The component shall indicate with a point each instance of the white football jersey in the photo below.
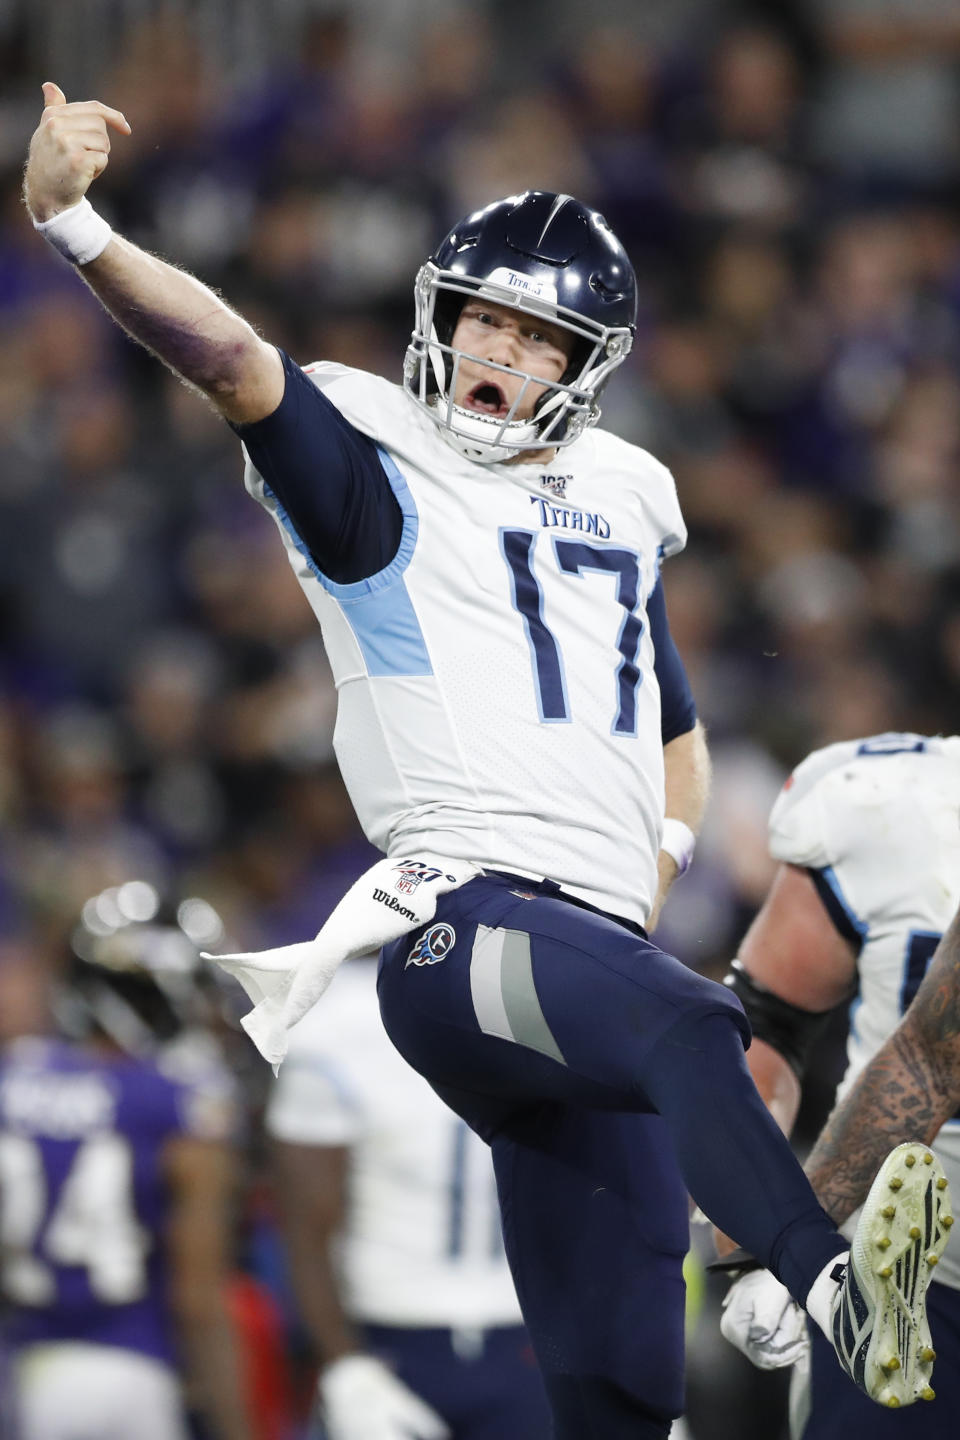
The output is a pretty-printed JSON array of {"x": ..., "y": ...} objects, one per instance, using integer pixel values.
[
  {"x": 497, "y": 696},
  {"x": 880, "y": 820},
  {"x": 422, "y": 1244}
]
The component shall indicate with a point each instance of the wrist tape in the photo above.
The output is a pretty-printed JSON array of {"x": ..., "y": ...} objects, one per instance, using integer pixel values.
[
  {"x": 679, "y": 842},
  {"x": 80, "y": 234}
]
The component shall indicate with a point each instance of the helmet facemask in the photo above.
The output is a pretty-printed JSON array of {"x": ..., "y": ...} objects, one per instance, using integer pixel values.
[{"x": 565, "y": 409}]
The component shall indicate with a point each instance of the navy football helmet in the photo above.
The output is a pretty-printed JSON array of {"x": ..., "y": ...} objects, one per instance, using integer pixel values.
[
  {"x": 548, "y": 256},
  {"x": 135, "y": 972}
]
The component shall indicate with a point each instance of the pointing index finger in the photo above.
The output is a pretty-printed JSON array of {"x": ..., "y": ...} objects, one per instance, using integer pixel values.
[{"x": 114, "y": 118}]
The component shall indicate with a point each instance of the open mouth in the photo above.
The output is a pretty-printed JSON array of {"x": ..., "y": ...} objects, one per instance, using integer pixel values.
[{"x": 487, "y": 399}]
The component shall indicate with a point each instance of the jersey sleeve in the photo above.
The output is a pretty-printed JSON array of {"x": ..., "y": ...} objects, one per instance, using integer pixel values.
[
  {"x": 678, "y": 712},
  {"x": 327, "y": 477},
  {"x": 803, "y": 829},
  {"x": 818, "y": 823},
  {"x": 660, "y": 489}
]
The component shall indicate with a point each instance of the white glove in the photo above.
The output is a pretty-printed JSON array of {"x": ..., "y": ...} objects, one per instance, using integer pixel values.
[
  {"x": 363, "y": 1400},
  {"x": 763, "y": 1322}
]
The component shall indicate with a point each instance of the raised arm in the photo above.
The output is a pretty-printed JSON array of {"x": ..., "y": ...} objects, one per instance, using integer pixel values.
[
  {"x": 168, "y": 311},
  {"x": 910, "y": 1087}
]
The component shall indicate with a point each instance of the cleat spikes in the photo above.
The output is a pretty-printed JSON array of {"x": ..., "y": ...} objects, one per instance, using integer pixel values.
[
  {"x": 880, "y": 1330},
  {"x": 928, "y": 1393},
  {"x": 946, "y": 1221}
]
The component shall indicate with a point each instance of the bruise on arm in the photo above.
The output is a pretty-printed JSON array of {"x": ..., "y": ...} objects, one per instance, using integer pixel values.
[{"x": 910, "y": 1087}]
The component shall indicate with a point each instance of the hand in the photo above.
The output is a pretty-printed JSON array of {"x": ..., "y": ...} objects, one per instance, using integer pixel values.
[
  {"x": 69, "y": 149},
  {"x": 762, "y": 1321},
  {"x": 363, "y": 1400}
]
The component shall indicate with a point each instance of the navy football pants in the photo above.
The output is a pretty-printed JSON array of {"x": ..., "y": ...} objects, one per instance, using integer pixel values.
[{"x": 609, "y": 1080}]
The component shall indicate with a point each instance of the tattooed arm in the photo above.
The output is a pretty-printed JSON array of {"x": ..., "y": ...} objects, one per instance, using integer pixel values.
[{"x": 910, "y": 1087}]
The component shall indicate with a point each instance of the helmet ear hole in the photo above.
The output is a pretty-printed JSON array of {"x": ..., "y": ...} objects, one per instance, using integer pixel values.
[{"x": 446, "y": 313}]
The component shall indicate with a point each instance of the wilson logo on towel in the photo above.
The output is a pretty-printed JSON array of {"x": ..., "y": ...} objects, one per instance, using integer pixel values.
[
  {"x": 433, "y": 946},
  {"x": 392, "y": 903}
]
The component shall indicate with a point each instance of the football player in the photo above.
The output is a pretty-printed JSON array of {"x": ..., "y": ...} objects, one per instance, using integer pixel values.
[
  {"x": 868, "y": 841},
  {"x": 485, "y": 566},
  {"x": 390, "y": 1215},
  {"x": 116, "y": 1188}
]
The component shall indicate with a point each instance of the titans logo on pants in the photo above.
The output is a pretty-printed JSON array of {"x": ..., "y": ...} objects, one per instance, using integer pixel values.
[{"x": 433, "y": 946}]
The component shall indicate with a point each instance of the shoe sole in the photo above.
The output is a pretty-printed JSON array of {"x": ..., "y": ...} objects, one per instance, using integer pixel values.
[{"x": 902, "y": 1232}]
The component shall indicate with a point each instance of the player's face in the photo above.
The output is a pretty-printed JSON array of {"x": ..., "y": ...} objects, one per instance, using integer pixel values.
[{"x": 508, "y": 337}]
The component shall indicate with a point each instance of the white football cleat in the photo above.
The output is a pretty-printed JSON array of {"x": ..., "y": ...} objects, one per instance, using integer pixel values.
[{"x": 880, "y": 1330}]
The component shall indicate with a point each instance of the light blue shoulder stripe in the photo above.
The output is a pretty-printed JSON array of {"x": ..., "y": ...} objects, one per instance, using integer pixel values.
[{"x": 379, "y": 610}]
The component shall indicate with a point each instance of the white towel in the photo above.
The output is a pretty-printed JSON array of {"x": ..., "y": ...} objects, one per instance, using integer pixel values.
[{"x": 390, "y": 899}]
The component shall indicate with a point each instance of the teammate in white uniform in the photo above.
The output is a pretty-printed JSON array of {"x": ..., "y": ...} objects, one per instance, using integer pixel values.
[
  {"x": 390, "y": 1213},
  {"x": 485, "y": 567},
  {"x": 868, "y": 838}
]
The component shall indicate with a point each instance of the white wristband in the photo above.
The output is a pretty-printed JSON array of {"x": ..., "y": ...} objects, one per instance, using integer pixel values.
[
  {"x": 80, "y": 234},
  {"x": 679, "y": 842}
]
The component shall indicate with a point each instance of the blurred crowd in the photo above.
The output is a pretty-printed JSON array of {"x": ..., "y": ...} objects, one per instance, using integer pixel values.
[{"x": 785, "y": 179}]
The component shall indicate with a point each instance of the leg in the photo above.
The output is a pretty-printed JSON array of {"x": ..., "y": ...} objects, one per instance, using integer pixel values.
[
  {"x": 736, "y": 1163},
  {"x": 555, "y": 1032},
  {"x": 594, "y": 1215},
  {"x": 538, "y": 1000}
]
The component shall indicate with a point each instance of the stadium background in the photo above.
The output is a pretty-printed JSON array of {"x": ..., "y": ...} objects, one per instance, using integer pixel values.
[{"x": 785, "y": 178}]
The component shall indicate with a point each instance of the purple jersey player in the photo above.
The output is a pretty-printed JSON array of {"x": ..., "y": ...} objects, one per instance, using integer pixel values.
[{"x": 114, "y": 1185}]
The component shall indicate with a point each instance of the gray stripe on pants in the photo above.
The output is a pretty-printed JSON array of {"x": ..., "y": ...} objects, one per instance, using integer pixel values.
[
  {"x": 520, "y": 1002},
  {"x": 485, "y": 987}
]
